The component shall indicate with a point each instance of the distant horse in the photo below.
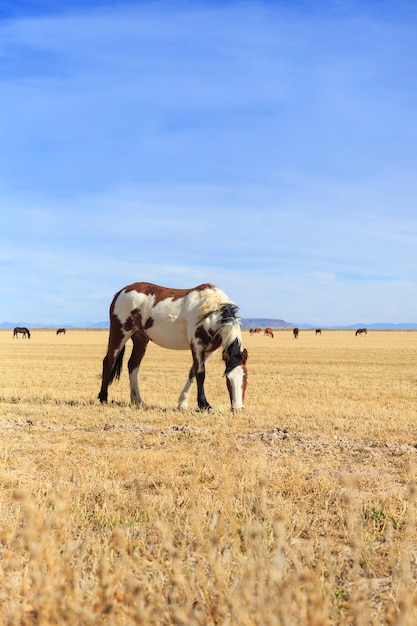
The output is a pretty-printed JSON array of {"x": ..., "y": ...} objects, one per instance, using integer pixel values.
[
  {"x": 268, "y": 332},
  {"x": 202, "y": 319},
  {"x": 361, "y": 331},
  {"x": 318, "y": 331},
  {"x": 295, "y": 332},
  {"x": 61, "y": 331},
  {"x": 24, "y": 331},
  {"x": 255, "y": 331}
]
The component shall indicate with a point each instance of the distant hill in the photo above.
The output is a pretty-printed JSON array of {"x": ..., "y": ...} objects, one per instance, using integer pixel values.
[
  {"x": 264, "y": 322},
  {"x": 383, "y": 326},
  {"x": 27, "y": 325},
  {"x": 45, "y": 326},
  {"x": 274, "y": 323},
  {"x": 248, "y": 322}
]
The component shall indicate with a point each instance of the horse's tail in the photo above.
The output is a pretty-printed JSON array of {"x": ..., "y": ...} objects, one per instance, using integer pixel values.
[
  {"x": 28, "y": 334},
  {"x": 117, "y": 366}
]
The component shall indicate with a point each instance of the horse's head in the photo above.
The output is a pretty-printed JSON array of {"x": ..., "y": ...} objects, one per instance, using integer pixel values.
[{"x": 236, "y": 374}]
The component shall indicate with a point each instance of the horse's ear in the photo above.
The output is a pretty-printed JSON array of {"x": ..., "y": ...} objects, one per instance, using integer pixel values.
[{"x": 244, "y": 355}]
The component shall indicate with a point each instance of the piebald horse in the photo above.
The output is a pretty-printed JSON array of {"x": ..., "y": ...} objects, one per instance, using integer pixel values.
[
  {"x": 202, "y": 319},
  {"x": 21, "y": 329}
]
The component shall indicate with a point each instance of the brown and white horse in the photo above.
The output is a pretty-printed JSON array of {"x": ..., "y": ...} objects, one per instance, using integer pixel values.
[
  {"x": 269, "y": 332},
  {"x": 21, "y": 329},
  {"x": 202, "y": 319},
  {"x": 61, "y": 331}
]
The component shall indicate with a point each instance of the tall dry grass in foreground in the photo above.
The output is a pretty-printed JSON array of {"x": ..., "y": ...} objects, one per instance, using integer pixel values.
[{"x": 301, "y": 510}]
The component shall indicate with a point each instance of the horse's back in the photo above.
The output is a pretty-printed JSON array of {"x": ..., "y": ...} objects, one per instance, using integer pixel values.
[
  {"x": 163, "y": 302},
  {"x": 167, "y": 316}
]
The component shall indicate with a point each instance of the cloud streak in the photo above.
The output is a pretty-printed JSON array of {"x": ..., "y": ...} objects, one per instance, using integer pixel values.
[{"x": 265, "y": 146}]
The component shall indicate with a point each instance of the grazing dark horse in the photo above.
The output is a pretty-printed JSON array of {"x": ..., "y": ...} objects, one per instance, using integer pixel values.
[
  {"x": 295, "y": 332},
  {"x": 20, "y": 329},
  {"x": 255, "y": 331},
  {"x": 318, "y": 331},
  {"x": 361, "y": 331},
  {"x": 202, "y": 319},
  {"x": 268, "y": 332},
  {"x": 61, "y": 331}
]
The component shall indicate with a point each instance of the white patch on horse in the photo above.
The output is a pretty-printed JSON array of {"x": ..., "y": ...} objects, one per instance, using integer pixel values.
[{"x": 236, "y": 377}]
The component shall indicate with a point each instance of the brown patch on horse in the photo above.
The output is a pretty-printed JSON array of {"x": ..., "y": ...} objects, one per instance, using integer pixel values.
[
  {"x": 149, "y": 323},
  {"x": 128, "y": 325},
  {"x": 208, "y": 338},
  {"x": 117, "y": 327},
  {"x": 134, "y": 321}
]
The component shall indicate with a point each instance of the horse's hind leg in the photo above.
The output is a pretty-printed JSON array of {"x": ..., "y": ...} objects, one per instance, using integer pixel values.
[
  {"x": 116, "y": 342},
  {"x": 140, "y": 343}
]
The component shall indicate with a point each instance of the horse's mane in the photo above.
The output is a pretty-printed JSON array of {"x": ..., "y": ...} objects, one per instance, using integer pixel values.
[
  {"x": 230, "y": 324},
  {"x": 226, "y": 312},
  {"x": 216, "y": 302},
  {"x": 213, "y": 300}
]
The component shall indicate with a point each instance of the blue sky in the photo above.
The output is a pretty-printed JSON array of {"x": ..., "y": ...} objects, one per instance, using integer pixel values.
[{"x": 269, "y": 147}]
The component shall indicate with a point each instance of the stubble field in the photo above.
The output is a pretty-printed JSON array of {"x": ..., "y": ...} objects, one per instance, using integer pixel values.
[{"x": 299, "y": 510}]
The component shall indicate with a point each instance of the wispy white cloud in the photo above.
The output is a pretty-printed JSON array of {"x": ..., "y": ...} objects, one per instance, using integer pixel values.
[{"x": 266, "y": 146}]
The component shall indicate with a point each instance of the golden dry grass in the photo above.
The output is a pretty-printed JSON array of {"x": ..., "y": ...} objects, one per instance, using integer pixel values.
[{"x": 299, "y": 510}]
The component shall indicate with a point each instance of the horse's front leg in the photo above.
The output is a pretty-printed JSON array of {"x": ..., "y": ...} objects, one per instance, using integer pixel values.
[
  {"x": 197, "y": 372},
  {"x": 185, "y": 393},
  {"x": 199, "y": 364},
  {"x": 202, "y": 402}
]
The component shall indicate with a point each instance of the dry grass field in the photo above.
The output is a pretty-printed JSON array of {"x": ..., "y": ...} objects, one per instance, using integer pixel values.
[{"x": 299, "y": 510}]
